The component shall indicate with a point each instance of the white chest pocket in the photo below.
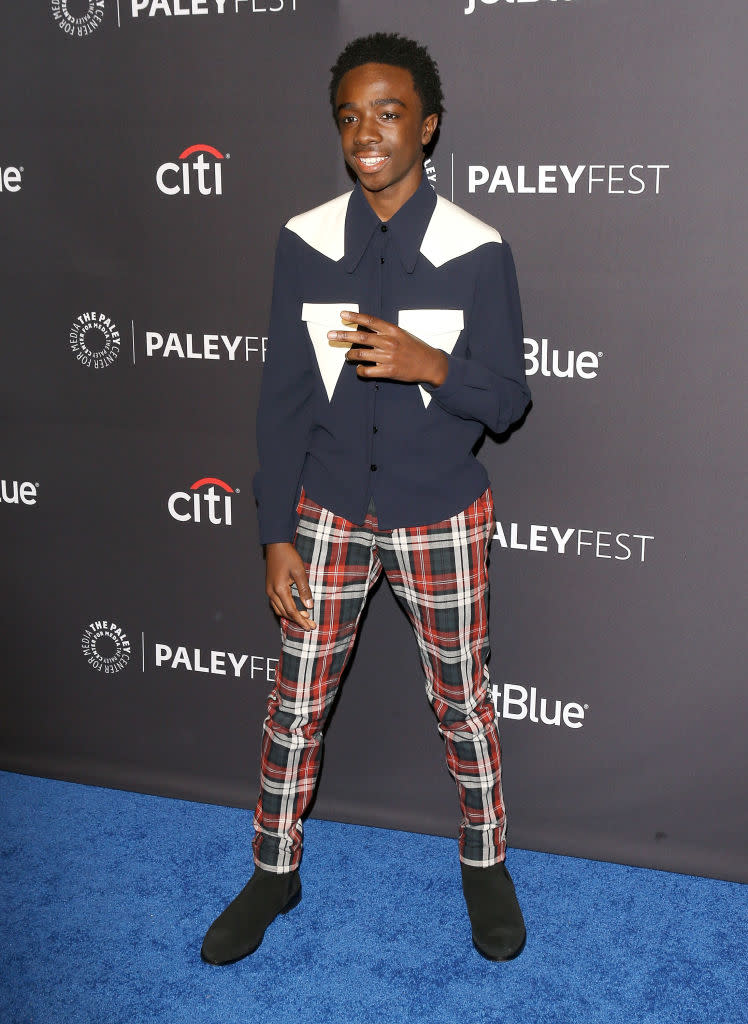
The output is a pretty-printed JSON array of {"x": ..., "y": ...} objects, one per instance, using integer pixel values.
[
  {"x": 439, "y": 328},
  {"x": 321, "y": 317}
]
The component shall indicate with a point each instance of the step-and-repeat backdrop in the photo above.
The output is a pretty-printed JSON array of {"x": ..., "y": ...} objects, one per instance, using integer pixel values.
[{"x": 150, "y": 151}]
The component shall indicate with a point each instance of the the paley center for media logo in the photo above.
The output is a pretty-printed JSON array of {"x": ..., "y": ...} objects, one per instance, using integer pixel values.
[
  {"x": 78, "y": 17},
  {"x": 106, "y": 646},
  {"x": 95, "y": 339},
  {"x": 199, "y": 172},
  {"x": 207, "y": 501}
]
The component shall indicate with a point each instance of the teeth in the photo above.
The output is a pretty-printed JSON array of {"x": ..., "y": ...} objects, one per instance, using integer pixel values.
[{"x": 369, "y": 161}]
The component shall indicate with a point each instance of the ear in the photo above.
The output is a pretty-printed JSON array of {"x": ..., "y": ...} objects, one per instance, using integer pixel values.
[{"x": 428, "y": 128}]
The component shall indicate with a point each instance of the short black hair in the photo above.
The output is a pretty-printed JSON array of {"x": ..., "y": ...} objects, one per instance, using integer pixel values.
[{"x": 400, "y": 52}]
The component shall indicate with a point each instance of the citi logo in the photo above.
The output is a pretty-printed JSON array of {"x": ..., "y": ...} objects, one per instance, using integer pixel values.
[
  {"x": 489, "y": 3},
  {"x": 204, "y": 502},
  {"x": 10, "y": 179},
  {"x": 14, "y": 493},
  {"x": 517, "y": 702},
  {"x": 550, "y": 362},
  {"x": 201, "y": 175}
]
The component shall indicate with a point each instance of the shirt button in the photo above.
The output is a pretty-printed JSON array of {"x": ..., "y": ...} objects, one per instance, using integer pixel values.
[
  {"x": 381, "y": 259},
  {"x": 376, "y": 387},
  {"x": 373, "y": 467},
  {"x": 383, "y": 227},
  {"x": 376, "y": 429}
]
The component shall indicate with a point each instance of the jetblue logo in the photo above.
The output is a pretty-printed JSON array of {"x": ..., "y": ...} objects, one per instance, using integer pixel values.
[
  {"x": 518, "y": 703},
  {"x": 10, "y": 179},
  {"x": 472, "y": 4},
  {"x": 552, "y": 362}
]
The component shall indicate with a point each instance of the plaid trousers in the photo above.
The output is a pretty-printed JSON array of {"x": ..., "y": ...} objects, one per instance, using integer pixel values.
[{"x": 439, "y": 574}]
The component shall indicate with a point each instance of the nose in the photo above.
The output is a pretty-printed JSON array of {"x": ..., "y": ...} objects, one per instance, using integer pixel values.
[{"x": 367, "y": 130}]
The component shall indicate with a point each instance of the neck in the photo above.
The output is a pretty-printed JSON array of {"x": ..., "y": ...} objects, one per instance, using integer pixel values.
[{"x": 387, "y": 202}]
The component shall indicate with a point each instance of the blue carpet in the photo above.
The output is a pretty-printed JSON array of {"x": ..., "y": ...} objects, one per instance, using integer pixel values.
[{"x": 106, "y": 896}]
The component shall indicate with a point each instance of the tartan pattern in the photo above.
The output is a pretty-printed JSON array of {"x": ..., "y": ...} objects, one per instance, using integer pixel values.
[{"x": 439, "y": 574}]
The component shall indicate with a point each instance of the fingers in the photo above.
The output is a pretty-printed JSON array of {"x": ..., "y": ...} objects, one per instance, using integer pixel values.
[
  {"x": 283, "y": 603},
  {"x": 285, "y": 571},
  {"x": 353, "y": 337},
  {"x": 374, "y": 323}
]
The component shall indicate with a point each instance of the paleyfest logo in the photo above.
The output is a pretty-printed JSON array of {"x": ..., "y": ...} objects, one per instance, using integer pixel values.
[
  {"x": 78, "y": 17},
  {"x": 570, "y": 540},
  {"x": 568, "y": 179},
  {"x": 95, "y": 340},
  {"x": 171, "y": 8},
  {"x": 199, "y": 175},
  {"x": 106, "y": 646},
  {"x": 82, "y": 17},
  {"x": 204, "y": 502}
]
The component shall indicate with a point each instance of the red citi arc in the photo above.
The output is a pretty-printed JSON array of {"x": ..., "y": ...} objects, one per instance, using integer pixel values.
[
  {"x": 200, "y": 175},
  {"x": 188, "y": 506}
]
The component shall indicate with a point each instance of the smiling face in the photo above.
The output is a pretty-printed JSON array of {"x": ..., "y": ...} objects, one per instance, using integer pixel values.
[{"x": 383, "y": 132}]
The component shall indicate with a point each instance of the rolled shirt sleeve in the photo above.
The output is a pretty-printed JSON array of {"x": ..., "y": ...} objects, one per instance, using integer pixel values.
[{"x": 489, "y": 383}]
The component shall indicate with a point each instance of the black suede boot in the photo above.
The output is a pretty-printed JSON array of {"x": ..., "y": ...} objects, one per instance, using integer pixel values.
[
  {"x": 239, "y": 930},
  {"x": 495, "y": 915}
]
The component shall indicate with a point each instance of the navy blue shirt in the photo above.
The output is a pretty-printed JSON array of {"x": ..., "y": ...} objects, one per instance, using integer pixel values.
[{"x": 440, "y": 274}]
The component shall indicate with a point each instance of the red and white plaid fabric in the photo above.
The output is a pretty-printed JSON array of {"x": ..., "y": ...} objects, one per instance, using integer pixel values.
[{"x": 439, "y": 574}]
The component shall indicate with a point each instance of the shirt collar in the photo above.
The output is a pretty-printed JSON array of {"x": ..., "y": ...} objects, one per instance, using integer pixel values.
[{"x": 407, "y": 226}]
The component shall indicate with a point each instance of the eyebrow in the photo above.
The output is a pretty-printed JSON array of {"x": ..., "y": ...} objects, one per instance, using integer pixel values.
[{"x": 376, "y": 103}]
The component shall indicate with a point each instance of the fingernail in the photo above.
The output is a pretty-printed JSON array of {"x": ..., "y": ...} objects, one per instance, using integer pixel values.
[
  {"x": 309, "y": 602},
  {"x": 332, "y": 335}
]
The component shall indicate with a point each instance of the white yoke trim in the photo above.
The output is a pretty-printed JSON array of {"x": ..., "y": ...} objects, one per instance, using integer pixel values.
[
  {"x": 324, "y": 227},
  {"x": 452, "y": 231}
]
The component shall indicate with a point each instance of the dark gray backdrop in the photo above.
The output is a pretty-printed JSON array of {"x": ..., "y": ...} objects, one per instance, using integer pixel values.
[{"x": 645, "y": 270}]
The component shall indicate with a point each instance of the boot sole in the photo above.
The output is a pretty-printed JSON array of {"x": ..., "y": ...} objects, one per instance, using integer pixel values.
[
  {"x": 293, "y": 902},
  {"x": 501, "y": 959}
]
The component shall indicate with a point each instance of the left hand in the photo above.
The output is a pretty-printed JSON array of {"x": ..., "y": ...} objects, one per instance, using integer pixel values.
[{"x": 394, "y": 353}]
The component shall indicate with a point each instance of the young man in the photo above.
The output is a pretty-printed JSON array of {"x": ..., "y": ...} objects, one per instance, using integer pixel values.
[{"x": 395, "y": 339}]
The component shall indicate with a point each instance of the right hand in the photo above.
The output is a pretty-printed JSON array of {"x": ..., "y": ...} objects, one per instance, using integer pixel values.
[{"x": 284, "y": 566}]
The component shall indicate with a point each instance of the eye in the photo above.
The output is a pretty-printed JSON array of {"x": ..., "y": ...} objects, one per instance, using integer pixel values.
[
  {"x": 390, "y": 115},
  {"x": 347, "y": 119}
]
